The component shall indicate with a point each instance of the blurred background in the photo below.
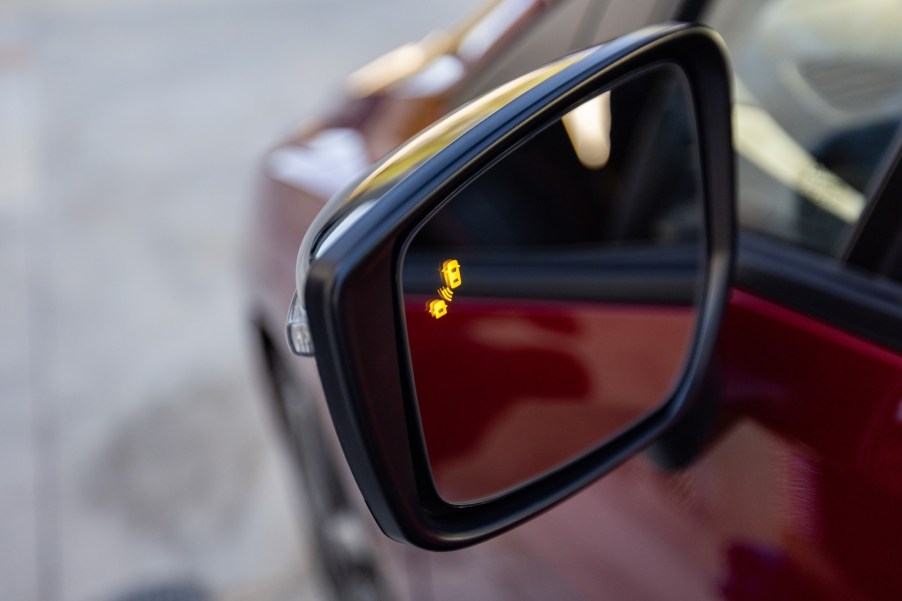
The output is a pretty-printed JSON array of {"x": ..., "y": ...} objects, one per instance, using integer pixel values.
[{"x": 137, "y": 454}]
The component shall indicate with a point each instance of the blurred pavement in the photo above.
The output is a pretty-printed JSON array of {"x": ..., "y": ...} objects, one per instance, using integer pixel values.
[{"x": 135, "y": 450}]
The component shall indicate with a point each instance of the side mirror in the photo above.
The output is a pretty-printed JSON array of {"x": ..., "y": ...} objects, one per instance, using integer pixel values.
[{"x": 528, "y": 292}]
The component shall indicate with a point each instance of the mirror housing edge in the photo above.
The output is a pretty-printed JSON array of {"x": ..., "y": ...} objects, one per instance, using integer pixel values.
[{"x": 353, "y": 290}]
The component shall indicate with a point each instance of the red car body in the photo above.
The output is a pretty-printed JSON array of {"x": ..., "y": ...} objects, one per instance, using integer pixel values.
[{"x": 791, "y": 494}]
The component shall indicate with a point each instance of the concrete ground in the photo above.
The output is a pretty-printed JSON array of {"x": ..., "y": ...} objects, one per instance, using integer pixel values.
[{"x": 135, "y": 451}]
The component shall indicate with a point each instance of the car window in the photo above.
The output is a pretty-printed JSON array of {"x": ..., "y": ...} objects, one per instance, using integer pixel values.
[
  {"x": 548, "y": 36},
  {"x": 558, "y": 29},
  {"x": 818, "y": 102}
]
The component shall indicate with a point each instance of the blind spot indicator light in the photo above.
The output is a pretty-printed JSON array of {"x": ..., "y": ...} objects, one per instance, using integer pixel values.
[
  {"x": 437, "y": 308},
  {"x": 450, "y": 271}
]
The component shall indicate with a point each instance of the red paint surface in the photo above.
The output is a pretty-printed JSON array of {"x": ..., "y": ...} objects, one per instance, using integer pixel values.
[
  {"x": 798, "y": 497},
  {"x": 833, "y": 400},
  {"x": 508, "y": 390}
]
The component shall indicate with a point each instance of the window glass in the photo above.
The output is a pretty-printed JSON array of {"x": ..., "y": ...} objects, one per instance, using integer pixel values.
[
  {"x": 547, "y": 37},
  {"x": 558, "y": 28},
  {"x": 818, "y": 91}
]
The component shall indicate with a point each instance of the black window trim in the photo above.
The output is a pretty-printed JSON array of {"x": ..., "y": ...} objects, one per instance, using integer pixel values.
[
  {"x": 865, "y": 304},
  {"x": 876, "y": 243}
]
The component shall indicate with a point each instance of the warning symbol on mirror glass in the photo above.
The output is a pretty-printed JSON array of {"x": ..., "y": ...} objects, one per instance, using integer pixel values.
[
  {"x": 451, "y": 273},
  {"x": 437, "y": 308}
]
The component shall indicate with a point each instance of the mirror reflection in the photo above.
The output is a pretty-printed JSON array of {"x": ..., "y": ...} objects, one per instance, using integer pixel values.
[{"x": 552, "y": 301}]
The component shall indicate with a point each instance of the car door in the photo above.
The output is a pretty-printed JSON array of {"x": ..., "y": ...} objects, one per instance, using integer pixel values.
[{"x": 784, "y": 483}]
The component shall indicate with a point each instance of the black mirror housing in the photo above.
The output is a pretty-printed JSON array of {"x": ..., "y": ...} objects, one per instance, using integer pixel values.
[{"x": 351, "y": 283}]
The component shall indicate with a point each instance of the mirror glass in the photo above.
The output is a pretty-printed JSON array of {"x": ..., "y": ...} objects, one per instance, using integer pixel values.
[{"x": 552, "y": 301}]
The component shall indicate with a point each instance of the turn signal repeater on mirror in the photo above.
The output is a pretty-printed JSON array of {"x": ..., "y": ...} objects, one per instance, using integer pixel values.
[{"x": 299, "y": 339}]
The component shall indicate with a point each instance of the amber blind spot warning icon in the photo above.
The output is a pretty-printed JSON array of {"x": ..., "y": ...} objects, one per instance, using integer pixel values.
[
  {"x": 450, "y": 271},
  {"x": 437, "y": 308}
]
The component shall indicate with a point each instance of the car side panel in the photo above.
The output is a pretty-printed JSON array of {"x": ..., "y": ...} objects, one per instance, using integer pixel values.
[{"x": 795, "y": 497}]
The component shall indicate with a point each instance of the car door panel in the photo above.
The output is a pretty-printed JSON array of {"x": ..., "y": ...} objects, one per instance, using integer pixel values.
[{"x": 793, "y": 498}]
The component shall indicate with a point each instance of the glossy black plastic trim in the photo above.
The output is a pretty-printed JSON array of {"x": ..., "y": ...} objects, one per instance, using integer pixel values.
[
  {"x": 353, "y": 293},
  {"x": 879, "y": 224}
]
